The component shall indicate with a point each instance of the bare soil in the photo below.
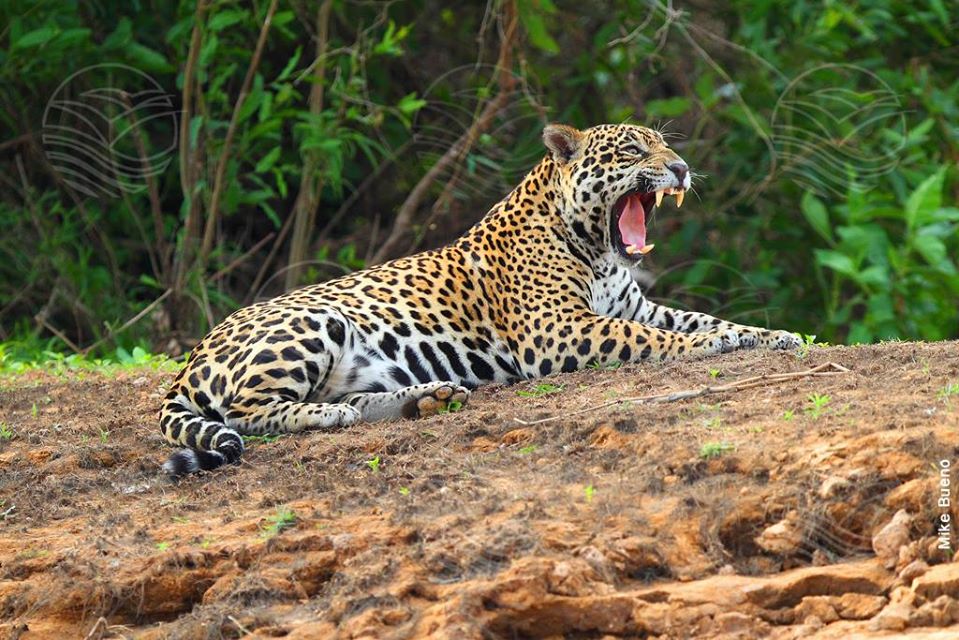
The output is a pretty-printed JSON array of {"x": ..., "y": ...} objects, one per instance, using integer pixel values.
[{"x": 745, "y": 514}]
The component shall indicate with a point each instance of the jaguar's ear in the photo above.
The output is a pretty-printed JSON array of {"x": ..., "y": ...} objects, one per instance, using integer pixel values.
[{"x": 563, "y": 141}]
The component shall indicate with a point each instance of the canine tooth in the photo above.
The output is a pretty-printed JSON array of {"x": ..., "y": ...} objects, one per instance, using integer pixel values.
[
  {"x": 631, "y": 249},
  {"x": 680, "y": 194},
  {"x": 647, "y": 249},
  {"x": 659, "y": 198}
]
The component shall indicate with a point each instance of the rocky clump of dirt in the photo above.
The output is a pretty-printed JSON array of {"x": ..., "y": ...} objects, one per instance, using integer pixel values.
[{"x": 810, "y": 508}]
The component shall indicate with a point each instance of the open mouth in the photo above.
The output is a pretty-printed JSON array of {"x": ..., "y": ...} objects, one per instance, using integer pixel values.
[{"x": 630, "y": 213}]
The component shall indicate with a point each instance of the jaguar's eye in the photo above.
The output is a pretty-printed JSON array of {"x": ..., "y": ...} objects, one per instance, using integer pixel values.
[{"x": 634, "y": 150}]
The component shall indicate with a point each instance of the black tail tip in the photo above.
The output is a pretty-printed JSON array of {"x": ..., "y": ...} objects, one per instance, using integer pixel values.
[{"x": 187, "y": 461}]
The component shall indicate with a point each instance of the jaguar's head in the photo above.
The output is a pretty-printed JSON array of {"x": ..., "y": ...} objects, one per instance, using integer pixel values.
[{"x": 610, "y": 179}]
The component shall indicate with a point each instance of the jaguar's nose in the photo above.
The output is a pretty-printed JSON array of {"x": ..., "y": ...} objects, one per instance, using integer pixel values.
[{"x": 680, "y": 170}]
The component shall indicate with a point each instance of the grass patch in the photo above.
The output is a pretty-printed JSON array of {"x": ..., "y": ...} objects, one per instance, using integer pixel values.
[
  {"x": 283, "y": 519},
  {"x": 714, "y": 449},
  {"x": 542, "y": 389}
]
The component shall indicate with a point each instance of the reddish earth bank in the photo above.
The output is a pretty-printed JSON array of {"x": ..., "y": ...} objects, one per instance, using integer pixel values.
[{"x": 810, "y": 508}]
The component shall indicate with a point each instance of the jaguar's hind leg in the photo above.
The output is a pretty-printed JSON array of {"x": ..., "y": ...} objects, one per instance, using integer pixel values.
[
  {"x": 416, "y": 401},
  {"x": 284, "y": 416}
]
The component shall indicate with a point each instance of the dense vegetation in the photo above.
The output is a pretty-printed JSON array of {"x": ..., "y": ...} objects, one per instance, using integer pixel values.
[{"x": 309, "y": 138}]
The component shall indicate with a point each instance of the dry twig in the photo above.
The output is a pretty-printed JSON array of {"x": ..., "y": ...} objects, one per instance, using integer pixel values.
[{"x": 822, "y": 370}]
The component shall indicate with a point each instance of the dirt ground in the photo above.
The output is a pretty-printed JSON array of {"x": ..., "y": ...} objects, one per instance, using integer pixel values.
[{"x": 806, "y": 508}]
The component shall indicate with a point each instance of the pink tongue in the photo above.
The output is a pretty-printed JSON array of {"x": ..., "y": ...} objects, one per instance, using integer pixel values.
[{"x": 632, "y": 222}]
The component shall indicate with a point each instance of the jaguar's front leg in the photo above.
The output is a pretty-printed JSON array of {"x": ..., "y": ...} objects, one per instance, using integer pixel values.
[
  {"x": 660, "y": 316},
  {"x": 588, "y": 339}
]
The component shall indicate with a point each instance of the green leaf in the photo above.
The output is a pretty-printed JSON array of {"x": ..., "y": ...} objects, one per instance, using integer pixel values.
[
  {"x": 410, "y": 104},
  {"x": 669, "y": 107},
  {"x": 934, "y": 251},
  {"x": 837, "y": 262},
  {"x": 36, "y": 37},
  {"x": 290, "y": 65},
  {"x": 146, "y": 58},
  {"x": 925, "y": 200},
  {"x": 121, "y": 36},
  {"x": 817, "y": 216},
  {"x": 266, "y": 162},
  {"x": 531, "y": 16},
  {"x": 225, "y": 19}
]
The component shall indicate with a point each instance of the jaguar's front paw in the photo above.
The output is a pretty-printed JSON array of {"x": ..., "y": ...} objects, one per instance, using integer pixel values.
[
  {"x": 717, "y": 341},
  {"x": 783, "y": 340}
]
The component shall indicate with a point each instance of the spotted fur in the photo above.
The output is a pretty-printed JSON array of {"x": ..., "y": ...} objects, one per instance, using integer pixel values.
[{"x": 540, "y": 285}]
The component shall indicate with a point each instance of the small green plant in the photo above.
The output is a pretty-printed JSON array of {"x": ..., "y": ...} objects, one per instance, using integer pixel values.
[
  {"x": 181, "y": 519},
  {"x": 404, "y": 491},
  {"x": 451, "y": 407},
  {"x": 788, "y": 415},
  {"x": 589, "y": 491},
  {"x": 714, "y": 423},
  {"x": 612, "y": 366},
  {"x": 162, "y": 546},
  {"x": 374, "y": 464},
  {"x": 205, "y": 543},
  {"x": 104, "y": 436},
  {"x": 818, "y": 403},
  {"x": 6, "y": 433},
  {"x": 34, "y": 410},
  {"x": 948, "y": 391},
  {"x": 283, "y": 519},
  {"x": 542, "y": 389},
  {"x": 528, "y": 449},
  {"x": 714, "y": 449},
  {"x": 714, "y": 373},
  {"x": 268, "y": 438}
]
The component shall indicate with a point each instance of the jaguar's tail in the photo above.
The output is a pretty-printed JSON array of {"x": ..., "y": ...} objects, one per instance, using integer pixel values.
[{"x": 210, "y": 442}]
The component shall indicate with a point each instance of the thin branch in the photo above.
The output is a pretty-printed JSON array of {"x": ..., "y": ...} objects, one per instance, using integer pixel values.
[
  {"x": 182, "y": 258},
  {"x": 311, "y": 183},
  {"x": 825, "y": 369},
  {"x": 13, "y": 142},
  {"x": 129, "y": 323},
  {"x": 243, "y": 258},
  {"x": 261, "y": 274},
  {"x": 220, "y": 177},
  {"x": 367, "y": 182},
  {"x": 156, "y": 210},
  {"x": 42, "y": 321}
]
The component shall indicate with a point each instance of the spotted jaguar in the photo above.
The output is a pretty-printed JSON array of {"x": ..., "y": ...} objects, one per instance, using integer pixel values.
[{"x": 541, "y": 284}]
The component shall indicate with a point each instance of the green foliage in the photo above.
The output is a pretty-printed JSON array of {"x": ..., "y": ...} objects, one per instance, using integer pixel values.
[
  {"x": 20, "y": 356},
  {"x": 374, "y": 464},
  {"x": 888, "y": 254},
  {"x": 451, "y": 407},
  {"x": 284, "y": 518},
  {"x": 539, "y": 390},
  {"x": 817, "y": 405},
  {"x": 951, "y": 389},
  {"x": 589, "y": 491},
  {"x": 714, "y": 449}
]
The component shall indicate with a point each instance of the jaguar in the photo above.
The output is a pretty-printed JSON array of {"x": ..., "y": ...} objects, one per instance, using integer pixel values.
[{"x": 543, "y": 283}]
